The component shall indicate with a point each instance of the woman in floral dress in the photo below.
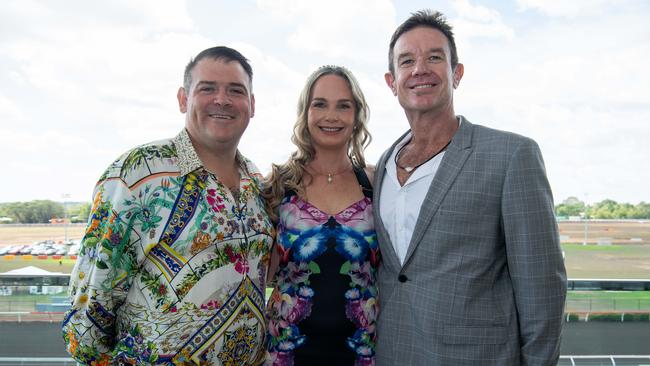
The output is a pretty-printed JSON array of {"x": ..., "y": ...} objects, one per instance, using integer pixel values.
[{"x": 324, "y": 304}]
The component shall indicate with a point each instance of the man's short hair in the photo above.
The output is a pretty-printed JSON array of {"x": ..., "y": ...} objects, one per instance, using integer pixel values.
[
  {"x": 217, "y": 53},
  {"x": 424, "y": 18}
]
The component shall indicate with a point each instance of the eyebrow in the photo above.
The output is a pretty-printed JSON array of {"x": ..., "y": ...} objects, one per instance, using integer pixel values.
[
  {"x": 200, "y": 82},
  {"x": 432, "y": 50},
  {"x": 325, "y": 100},
  {"x": 212, "y": 83}
]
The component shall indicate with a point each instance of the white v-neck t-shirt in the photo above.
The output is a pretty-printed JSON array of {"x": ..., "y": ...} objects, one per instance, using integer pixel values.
[{"x": 399, "y": 206}]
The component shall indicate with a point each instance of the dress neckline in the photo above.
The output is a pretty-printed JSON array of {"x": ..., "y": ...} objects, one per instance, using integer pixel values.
[{"x": 353, "y": 204}]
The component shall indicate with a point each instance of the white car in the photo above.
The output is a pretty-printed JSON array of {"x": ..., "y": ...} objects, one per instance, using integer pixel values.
[
  {"x": 15, "y": 249},
  {"x": 74, "y": 250},
  {"x": 27, "y": 249}
]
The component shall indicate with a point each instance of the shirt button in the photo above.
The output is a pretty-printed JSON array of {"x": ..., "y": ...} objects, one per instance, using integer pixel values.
[{"x": 402, "y": 278}]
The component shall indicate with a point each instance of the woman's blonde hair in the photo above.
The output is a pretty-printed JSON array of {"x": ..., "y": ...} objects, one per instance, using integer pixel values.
[{"x": 291, "y": 174}]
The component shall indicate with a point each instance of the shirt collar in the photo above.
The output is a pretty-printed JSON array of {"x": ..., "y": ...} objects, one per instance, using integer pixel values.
[
  {"x": 424, "y": 170},
  {"x": 189, "y": 161}
]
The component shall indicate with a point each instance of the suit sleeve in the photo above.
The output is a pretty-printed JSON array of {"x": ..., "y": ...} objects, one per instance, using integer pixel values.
[
  {"x": 100, "y": 279},
  {"x": 534, "y": 255}
]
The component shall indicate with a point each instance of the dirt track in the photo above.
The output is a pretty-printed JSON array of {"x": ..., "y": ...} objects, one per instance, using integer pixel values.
[{"x": 27, "y": 234}]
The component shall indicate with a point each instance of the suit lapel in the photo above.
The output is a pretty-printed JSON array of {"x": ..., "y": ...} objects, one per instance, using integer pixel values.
[
  {"x": 389, "y": 257},
  {"x": 451, "y": 164}
]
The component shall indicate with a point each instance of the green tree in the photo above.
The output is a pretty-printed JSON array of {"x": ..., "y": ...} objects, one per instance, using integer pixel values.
[
  {"x": 570, "y": 207},
  {"x": 604, "y": 209},
  {"x": 81, "y": 213},
  {"x": 33, "y": 212},
  {"x": 643, "y": 210}
]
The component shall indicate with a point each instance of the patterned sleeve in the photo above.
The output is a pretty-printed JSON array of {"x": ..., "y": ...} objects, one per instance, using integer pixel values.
[{"x": 101, "y": 277}]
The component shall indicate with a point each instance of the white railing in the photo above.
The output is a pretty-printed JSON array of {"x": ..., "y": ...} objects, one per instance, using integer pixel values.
[
  {"x": 37, "y": 361},
  {"x": 628, "y": 360},
  {"x": 594, "y": 360}
]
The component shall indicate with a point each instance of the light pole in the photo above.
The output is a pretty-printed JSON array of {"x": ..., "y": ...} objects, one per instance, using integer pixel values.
[
  {"x": 586, "y": 219},
  {"x": 65, "y": 197}
]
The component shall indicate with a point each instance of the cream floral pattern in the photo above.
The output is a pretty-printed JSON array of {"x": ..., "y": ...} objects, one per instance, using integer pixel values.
[{"x": 172, "y": 268}]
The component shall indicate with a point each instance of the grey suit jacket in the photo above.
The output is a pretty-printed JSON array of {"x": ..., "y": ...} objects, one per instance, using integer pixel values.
[{"x": 483, "y": 282}]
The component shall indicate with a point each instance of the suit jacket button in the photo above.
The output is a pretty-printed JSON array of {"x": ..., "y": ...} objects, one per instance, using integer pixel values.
[{"x": 402, "y": 278}]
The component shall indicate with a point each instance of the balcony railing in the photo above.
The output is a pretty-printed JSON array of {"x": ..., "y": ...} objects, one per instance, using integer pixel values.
[
  {"x": 611, "y": 360},
  {"x": 564, "y": 361}
]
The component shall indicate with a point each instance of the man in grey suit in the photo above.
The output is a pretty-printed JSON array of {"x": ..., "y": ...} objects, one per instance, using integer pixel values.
[{"x": 472, "y": 270}]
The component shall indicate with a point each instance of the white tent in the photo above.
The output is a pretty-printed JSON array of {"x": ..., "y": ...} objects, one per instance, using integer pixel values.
[
  {"x": 31, "y": 271},
  {"x": 28, "y": 273}
]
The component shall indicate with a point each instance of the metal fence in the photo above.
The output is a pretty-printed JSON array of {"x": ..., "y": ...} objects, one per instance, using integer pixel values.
[
  {"x": 617, "y": 360},
  {"x": 24, "y": 302},
  {"x": 37, "y": 361},
  {"x": 615, "y": 304}
]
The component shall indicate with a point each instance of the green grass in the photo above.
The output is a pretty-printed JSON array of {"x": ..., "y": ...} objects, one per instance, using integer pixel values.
[
  {"x": 617, "y": 248},
  {"x": 607, "y": 261},
  {"x": 609, "y": 295},
  {"x": 602, "y": 301},
  {"x": 24, "y": 302},
  {"x": 49, "y": 264}
]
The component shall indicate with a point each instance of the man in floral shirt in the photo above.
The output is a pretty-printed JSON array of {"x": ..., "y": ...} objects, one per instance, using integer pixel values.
[{"x": 173, "y": 262}]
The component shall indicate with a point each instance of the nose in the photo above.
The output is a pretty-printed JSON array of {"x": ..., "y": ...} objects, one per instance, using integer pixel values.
[
  {"x": 222, "y": 98},
  {"x": 332, "y": 115},
  {"x": 421, "y": 66}
]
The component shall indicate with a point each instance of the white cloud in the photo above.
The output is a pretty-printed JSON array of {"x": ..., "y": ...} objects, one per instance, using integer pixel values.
[
  {"x": 9, "y": 111},
  {"x": 476, "y": 12},
  {"x": 341, "y": 29},
  {"x": 574, "y": 8},
  {"x": 478, "y": 21}
]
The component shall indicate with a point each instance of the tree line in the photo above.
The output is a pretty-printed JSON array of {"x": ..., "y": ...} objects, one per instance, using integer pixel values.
[
  {"x": 42, "y": 211},
  {"x": 606, "y": 210}
]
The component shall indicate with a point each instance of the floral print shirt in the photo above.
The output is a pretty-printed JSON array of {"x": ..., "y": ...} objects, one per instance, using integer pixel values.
[
  {"x": 172, "y": 267},
  {"x": 309, "y": 241}
]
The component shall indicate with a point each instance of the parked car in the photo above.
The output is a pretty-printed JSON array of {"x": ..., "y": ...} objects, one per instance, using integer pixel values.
[
  {"x": 74, "y": 250},
  {"x": 16, "y": 249},
  {"x": 27, "y": 249},
  {"x": 35, "y": 249}
]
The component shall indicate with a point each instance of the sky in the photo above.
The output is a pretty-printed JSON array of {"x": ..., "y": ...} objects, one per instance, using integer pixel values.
[{"x": 82, "y": 82}]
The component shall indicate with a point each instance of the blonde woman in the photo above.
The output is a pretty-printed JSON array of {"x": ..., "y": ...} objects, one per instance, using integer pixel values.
[{"x": 324, "y": 304}]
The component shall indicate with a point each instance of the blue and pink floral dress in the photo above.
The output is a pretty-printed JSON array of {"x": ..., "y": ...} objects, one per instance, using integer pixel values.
[{"x": 324, "y": 305}]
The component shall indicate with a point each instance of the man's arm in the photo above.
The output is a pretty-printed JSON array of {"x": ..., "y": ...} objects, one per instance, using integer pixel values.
[
  {"x": 100, "y": 279},
  {"x": 534, "y": 255}
]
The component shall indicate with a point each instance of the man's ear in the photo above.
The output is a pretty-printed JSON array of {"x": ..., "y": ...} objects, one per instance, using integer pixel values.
[
  {"x": 390, "y": 81},
  {"x": 252, "y": 105},
  {"x": 182, "y": 99},
  {"x": 458, "y": 74}
]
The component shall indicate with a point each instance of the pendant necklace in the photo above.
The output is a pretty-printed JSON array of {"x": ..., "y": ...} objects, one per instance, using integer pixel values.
[
  {"x": 410, "y": 169},
  {"x": 330, "y": 176}
]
